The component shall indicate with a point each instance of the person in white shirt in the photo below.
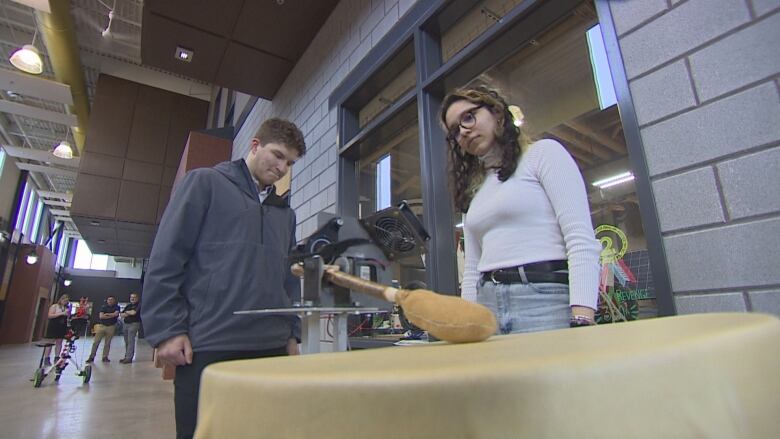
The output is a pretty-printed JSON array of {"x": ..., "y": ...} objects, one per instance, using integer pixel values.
[{"x": 531, "y": 255}]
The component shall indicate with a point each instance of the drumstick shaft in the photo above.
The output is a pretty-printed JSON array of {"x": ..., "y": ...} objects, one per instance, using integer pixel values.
[{"x": 345, "y": 280}]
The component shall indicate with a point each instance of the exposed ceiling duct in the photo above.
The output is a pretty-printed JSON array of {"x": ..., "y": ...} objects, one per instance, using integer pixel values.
[{"x": 59, "y": 35}]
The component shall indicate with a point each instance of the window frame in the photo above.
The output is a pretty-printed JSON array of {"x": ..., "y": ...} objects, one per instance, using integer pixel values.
[{"x": 422, "y": 25}]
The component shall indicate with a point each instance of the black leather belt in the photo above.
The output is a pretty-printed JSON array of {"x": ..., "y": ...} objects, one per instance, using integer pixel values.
[{"x": 539, "y": 272}]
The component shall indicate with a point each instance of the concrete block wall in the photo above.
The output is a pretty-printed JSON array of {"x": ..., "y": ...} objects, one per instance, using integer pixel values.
[
  {"x": 354, "y": 27},
  {"x": 704, "y": 76}
]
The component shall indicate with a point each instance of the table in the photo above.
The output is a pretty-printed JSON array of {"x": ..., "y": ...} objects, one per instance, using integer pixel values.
[{"x": 705, "y": 375}]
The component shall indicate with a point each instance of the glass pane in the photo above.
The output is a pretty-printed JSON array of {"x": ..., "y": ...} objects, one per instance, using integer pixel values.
[
  {"x": 29, "y": 214},
  {"x": 2, "y": 161},
  {"x": 99, "y": 262},
  {"x": 471, "y": 25},
  {"x": 395, "y": 154},
  {"x": 23, "y": 207},
  {"x": 558, "y": 82},
  {"x": 83, "y": 258},
  {"x": 399, "y": 85},
  {"x": 37, "y": 222}
]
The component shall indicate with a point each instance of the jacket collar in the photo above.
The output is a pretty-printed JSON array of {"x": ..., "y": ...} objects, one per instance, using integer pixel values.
[{"x": 271, "y": 200}]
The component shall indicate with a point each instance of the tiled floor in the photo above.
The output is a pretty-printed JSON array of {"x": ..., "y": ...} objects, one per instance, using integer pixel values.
[{"x": 120, "y": 401}]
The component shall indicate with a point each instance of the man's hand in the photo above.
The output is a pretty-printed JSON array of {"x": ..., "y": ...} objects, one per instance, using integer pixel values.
[
  {"x": 292, "y": 347},
  {"x": 176, "y": 350}
]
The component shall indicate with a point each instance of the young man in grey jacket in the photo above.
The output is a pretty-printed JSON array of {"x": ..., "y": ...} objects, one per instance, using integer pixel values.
[{"x": 222, "y": 246}]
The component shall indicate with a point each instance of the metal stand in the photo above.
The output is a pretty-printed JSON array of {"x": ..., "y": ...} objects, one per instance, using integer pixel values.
[
  {"x": 319, "y": 300},
  {"x": 311, "y": 324}
]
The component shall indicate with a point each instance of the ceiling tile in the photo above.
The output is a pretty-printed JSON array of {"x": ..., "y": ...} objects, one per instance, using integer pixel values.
[
  {"x": 253, "y": 72},
  {"x": 160, "y": 38},
  {"x": 217, "y": 17},
  {"x": 283, "y": 30}
]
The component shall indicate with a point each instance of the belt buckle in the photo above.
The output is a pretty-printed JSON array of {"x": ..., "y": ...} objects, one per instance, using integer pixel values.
[{"x": 493, "y": 277}]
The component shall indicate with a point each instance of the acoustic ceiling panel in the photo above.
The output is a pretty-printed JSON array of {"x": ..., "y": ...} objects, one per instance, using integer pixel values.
[
  {"x": 137, "y": 202},
  {"x": 150, "y": 125},
  {"x": 161, "y": 36},
  {"x": 120, "y": 195},
  {"x": 109, "y": 128},
  {"x": 252, "y": 62},
  {"x": 95, "y": 196},
  {"x": 103, "y": 165},
  {"x": 190, "y": 114},
  {"x": 217, "y": 17},
  {"x": 223, "y": 34},
  {"x": 142, "y": 172},
  {"x": 284, "y": 30}
]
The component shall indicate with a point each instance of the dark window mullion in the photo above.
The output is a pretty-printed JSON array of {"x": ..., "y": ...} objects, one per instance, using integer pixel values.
[{"x": 441, "y": 267}]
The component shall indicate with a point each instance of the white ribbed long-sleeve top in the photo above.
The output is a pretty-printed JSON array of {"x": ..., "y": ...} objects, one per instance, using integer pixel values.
[{"x": 540, "y": 213}]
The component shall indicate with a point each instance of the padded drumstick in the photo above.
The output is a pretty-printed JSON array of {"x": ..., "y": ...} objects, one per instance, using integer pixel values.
[{"x": 447, "y": 318}]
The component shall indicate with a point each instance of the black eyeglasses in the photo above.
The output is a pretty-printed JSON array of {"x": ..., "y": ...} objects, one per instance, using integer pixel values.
[{"x": 467, "y": 121}]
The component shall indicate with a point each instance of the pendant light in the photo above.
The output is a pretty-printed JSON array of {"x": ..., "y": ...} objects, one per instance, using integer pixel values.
[
  {"x": 63, "y": 150},
  {"x": 28, "y": 59},
  {"x": 32, "y": 257}
]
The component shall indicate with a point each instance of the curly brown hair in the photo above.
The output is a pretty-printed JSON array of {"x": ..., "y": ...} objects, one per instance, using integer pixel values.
[
  {"x": 466, "y": 171},
  {"x": 283, "y": 132}
]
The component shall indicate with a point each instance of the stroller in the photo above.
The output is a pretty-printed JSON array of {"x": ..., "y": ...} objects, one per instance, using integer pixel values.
[{"x": 64, "y": 357}]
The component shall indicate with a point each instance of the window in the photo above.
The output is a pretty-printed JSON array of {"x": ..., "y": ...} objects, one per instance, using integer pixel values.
[
  {"x": 385, "y": 87},
  {"x": 388, "y": 172},
  {"x": 29, "y": 215},
  {"x": 37, "y": 215},
  {"x": 86, "y": 260},
  {"x": 62, "y": 249},
  {"x": 22, "y": 211},
  {"x": 561, "y": 82},
  {"x": 383, "y": 182},
  {"x": 2, "y": 160},
  {"x": 471, "y": 24}
]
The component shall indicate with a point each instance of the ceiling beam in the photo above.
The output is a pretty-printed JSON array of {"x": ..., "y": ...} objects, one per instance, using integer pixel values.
[
  {"x": 40, "y": 155},
  {"x": 145, "y": 75},
  {"x": 58, "y": 195},
  {"x": 65, "y": 219},
  {"x": 29, "y": 85},
  {"x": 46, "y": 169},
  {"x": 56, "y": 203},
  {"x": 610, "y": 143},
  {"x": 41, "y": 5},
  {"x": 38, "y": 113}
]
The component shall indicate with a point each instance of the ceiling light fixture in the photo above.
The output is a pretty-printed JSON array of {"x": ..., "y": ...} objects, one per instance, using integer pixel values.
[
  {"x": 517, "y": 115},
  {"x": 107, "y": 31},
  {"x": 184, "y": 55},
  {"x": 32, "y": 257},
  {"x": 614, "y": 180},
  {"x": 28, "y": 59},
  {"x": 63, "y": 150}
]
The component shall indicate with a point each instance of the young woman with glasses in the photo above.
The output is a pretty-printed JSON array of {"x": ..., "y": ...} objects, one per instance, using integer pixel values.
[{"x": 530, "y": 252}]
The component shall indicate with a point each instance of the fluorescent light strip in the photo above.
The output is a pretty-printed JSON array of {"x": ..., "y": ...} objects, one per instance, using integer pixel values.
[
  {"x": 617, "y": 182},
  {"x": 608, "y": 180}
]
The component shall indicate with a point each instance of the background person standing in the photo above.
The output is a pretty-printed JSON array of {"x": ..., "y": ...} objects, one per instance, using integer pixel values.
[
  {"x": 109, "y": 314},
  {"x": 131, "y": 316}
]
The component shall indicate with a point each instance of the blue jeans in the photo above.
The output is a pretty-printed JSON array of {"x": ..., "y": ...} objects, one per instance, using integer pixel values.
[{"x": 526, "y": 307}]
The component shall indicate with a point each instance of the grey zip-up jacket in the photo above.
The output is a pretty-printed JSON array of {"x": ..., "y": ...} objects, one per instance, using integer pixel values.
[{"x": 219, "y": 250}]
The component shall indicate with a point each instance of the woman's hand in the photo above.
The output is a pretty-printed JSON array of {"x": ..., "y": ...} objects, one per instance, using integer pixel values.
[
  {"x": 582, "y": 316},
  {"x": 584, "y": 311}
]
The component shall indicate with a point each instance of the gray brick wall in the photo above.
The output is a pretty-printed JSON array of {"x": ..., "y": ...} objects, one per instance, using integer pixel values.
[
  {"x": 353, "y": 28},
  {"x": 704, "y": 76}
]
